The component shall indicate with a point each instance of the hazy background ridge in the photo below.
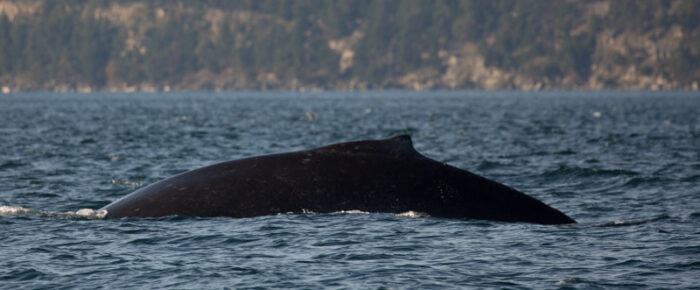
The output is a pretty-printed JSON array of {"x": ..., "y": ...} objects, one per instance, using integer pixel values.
[{"x": 300, "y": 45}]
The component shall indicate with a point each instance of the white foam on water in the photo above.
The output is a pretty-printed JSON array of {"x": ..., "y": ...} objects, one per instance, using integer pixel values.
[
  {"x": 409, "y": 214},
  {"x": 12, "y": 210},
  {"x": 83, "y": 213},
  {"x": 413, "y": 214},
  {"x": 351, "y": 211},
  {"x": 90, "y": 213}
]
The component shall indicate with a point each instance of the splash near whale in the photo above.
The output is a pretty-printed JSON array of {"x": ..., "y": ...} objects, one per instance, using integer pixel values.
[{"x": 373, "y": 176}]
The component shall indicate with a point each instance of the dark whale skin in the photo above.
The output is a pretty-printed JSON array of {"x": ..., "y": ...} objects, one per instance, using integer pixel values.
[{"x": 374, "y": 176}]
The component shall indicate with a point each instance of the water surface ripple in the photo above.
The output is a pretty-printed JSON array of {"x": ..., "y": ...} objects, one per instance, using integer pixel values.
[{"x": 626, "y": 165}]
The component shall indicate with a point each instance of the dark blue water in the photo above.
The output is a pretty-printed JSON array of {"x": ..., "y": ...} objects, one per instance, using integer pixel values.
[{"x": 626, "y": 165}]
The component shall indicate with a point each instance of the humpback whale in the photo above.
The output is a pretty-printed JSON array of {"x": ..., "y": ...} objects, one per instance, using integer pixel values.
[{"x": 374, "y": 176}]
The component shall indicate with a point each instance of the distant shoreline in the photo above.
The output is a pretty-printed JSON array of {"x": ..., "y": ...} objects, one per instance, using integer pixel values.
[
  {"x": 135, "y": 46},
  {"x": 337, "y": 86},
  {"x": 9, "y": 92}
]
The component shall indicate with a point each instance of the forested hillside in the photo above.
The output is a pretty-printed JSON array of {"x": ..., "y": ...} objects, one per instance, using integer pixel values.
[{"x": 348, "y": 44}]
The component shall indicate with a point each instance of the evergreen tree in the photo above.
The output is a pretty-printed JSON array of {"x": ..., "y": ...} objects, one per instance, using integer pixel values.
[{"x": 5, "y": 45}]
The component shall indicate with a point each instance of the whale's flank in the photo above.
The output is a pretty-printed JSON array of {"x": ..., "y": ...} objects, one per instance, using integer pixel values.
[{"x": 374, "y": 176}]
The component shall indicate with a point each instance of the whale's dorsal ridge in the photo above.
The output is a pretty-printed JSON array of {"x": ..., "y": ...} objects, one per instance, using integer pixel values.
[
  {"x": 405, "y": 138},
  {"x": 397, "y": 146},
  {"x": 401, "y": 144}
]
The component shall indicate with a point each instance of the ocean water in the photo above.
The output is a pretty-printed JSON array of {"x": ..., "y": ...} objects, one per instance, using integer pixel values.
[{"x": 626, "y": 165}]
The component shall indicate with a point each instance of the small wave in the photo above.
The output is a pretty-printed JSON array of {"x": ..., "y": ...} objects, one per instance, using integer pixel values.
[
  {"x": 645, "y": 180},
  {"x": 633, "y": 223},
  {"x": 485, "y": 165},
  {"x": 565, "y": 152},
  {"x": 11, "y": 164},
  {"x": 83, "y": 213},
  {"x": 572, "y": 280},
  {"x": 566, "y": 172},
  {"x": 691, "y": 178}
]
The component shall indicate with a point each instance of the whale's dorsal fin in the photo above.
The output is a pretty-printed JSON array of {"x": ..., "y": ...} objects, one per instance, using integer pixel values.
[{"x": 398, "y": 146}]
